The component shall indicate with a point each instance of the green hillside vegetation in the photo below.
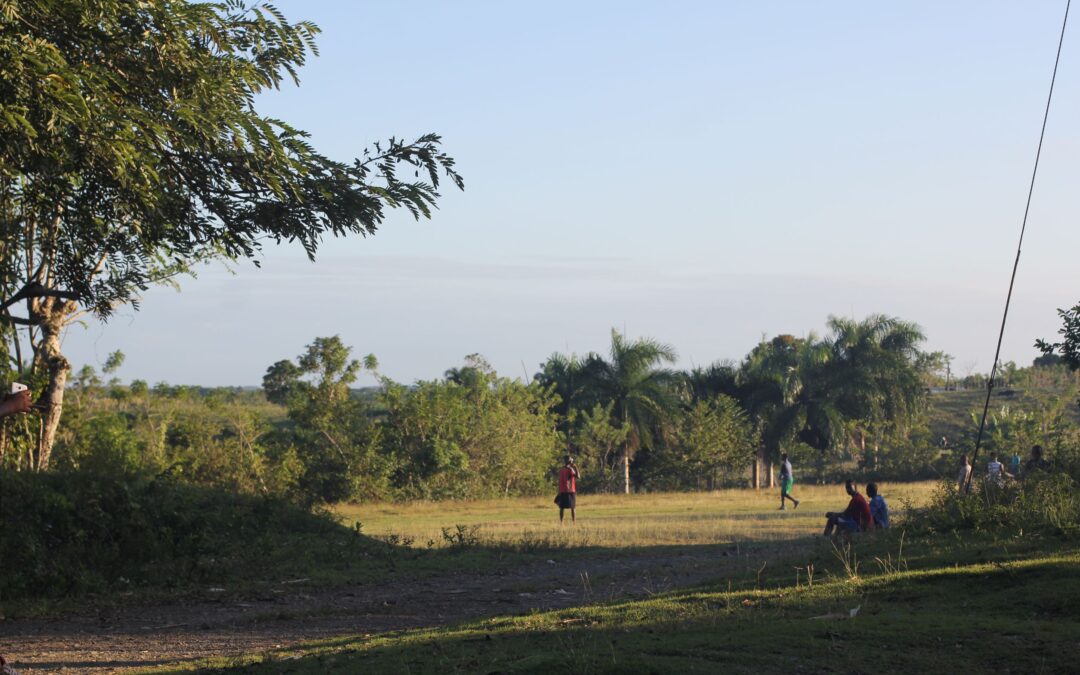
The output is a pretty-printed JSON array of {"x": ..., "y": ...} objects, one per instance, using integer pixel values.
[{"x": 949, "y": 412}]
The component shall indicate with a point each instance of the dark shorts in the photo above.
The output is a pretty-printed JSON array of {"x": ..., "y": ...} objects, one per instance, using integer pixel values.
[{"x": 566, "y": 500}]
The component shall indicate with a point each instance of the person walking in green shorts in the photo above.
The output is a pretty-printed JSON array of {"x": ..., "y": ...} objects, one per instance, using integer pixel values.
[{"x": 786, "y": 481}]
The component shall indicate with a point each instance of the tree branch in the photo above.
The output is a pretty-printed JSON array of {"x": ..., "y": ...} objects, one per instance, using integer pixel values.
[{"x": 36, "y": 290}]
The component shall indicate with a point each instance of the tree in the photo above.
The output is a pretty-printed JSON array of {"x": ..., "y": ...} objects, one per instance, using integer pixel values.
[
  {"x": 720, "y": 378},
  {"x": 642, "y": 394},
  {"x": 777, "y": 386},
  {"x": 562, "y": 375},
  {"x": 130, "y": 149},
  {"x": 714, "y": 439},
  {"x": 1069, "y": 347},
  {"x": 863, "y": 379},
  {"x": 468, "y": 437},
  {"x": 332, "y": 436},
  {"x": 597, "y": 441},
  {"x": 873, "y": 376}
]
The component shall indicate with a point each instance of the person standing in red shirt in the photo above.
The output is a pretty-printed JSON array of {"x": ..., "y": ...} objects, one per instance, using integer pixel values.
[
  {"x": 567, "y": 497},
  {"x": 855, "y": 518}
]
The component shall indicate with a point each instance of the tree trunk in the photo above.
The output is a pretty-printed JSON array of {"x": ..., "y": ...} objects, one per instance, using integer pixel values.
[
  {"x": 759, "y": 462},
  {"x": 769, "y": 472},
  {"x": 626, "y": 471},
  {"x": 53, "y": 313}
]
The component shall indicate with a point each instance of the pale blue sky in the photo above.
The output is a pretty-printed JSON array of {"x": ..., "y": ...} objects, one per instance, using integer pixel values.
[{"x": 699, "y": 172}]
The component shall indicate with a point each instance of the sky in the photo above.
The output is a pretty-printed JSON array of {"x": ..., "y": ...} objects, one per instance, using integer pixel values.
[{"x": 703, "y": 173}]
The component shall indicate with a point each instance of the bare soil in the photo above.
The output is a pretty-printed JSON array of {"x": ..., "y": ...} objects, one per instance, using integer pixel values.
[{"x": 122, "y": 638}]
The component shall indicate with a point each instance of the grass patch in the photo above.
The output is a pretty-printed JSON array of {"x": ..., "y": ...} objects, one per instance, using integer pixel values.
[
  {"x": 962, "y": 605},
  {"x": 621, "y": 521}
]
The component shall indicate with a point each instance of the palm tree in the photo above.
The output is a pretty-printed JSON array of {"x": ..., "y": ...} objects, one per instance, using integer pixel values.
[
  {"x": 563, "y": 375},
  {"x": 641, "y": 392},
  {"x": 873, "y": 374},
  {"x": 777, "y": 384},
  {"x": 864, "y": 376},
  {"x": 705, "y": 384}
]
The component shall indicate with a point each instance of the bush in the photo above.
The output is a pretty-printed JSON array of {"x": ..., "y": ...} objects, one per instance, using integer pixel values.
[
  {"x": 1044, "y": 502},
  {"x": 75, "y": 532}
]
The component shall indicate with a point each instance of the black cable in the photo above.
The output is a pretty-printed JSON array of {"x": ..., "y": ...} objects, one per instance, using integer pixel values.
[{"x": 1016, "y": 263}]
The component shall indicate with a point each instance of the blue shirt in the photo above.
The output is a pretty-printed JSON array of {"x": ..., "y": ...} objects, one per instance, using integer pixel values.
[{"x": 880, "y": 511}]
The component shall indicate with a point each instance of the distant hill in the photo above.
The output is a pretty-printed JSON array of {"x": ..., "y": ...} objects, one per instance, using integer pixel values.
[{"x": 950, "y": 411}]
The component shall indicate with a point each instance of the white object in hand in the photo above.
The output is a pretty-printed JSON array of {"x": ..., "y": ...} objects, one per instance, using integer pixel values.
[{"x": 16, "y": 387}]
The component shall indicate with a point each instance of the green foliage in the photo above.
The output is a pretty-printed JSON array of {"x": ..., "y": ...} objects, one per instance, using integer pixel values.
[
  {"x": 310, "y": 437},
  {"x": 66, "y": 533},
  {"x": 911, "y": 454},
  {"x": 715, "y": 442},
  {"x": 334, "y": 441},
  {"x": 597, "y": 442},
  {"x": 1069, "y": 347},
  {"x": 130, "y": 141},
  {"x": 642, "y": 394},
  {"x": 479, "y": 436},
  {"x": 131, "y": 151},
  {"x": 1046, "y": 502}
]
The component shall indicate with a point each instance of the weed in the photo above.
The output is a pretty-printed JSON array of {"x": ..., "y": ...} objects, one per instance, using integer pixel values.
[
  {"x": 586, "y": 585},
  {"x": 461, "y": 536},
  {"x": 889, "y": 566},
  {"x": 845, "y": 553}
]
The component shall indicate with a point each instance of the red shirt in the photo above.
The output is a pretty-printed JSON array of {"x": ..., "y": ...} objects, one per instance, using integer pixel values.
[
  {"x": 858, "y": 508},
  {"x": 567, "y": 479}
]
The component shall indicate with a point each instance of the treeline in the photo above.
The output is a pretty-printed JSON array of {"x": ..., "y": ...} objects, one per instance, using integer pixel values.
[{"x": 856, "y": 398}]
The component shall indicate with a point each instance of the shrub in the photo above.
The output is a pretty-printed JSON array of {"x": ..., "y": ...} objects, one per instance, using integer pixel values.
[
  {"x": 1043, "y": 502},
  {"x": 75, "y": 532}
]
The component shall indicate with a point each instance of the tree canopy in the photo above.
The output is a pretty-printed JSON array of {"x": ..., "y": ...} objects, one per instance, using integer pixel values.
[
  {"x": 1069, "y": 348},
  {"x": 131, "y": 148},
  {"x": 130, "y": 144}
]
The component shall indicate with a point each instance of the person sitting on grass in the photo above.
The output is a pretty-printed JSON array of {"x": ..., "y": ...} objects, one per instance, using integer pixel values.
[
  {"x": 1036, "y": 463},
  {"x": 855, "y": 518},
  {"x": 879, "y": 510}
]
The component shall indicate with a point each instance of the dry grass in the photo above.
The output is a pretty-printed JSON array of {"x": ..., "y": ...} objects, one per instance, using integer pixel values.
[{"x": 623, "y": 520}]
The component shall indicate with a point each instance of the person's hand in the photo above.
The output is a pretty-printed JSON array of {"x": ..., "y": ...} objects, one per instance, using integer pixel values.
[{"x": 14, "y": 404}]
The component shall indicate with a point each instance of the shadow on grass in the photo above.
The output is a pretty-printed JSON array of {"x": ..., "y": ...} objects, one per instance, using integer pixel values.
[{"x": 991, "y": 616}]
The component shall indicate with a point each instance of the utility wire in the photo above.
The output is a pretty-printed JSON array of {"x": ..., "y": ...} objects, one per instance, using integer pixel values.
[{"x": 1019, "y": 244}]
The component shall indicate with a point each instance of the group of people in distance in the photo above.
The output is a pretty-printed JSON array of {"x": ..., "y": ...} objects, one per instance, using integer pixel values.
[
  {"x": 997, "y": 473},
  {"x": 860, "y": 515}
]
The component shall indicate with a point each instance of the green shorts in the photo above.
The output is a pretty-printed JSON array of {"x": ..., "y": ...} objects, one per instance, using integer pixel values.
[{"x": 785, "y": 485}]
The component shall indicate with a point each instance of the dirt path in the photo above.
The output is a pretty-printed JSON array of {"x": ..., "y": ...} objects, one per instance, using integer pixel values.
[{"x": 171, "y": 634}]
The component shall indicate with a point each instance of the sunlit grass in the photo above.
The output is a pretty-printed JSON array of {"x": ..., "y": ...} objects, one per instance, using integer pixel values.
[
  {"x": 930, "y": 618},
  {"x": 607, "y": 520}
]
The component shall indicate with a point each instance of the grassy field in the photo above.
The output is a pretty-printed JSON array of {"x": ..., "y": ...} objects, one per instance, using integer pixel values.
[
  {"x": 892, "y": 602},
  {"x": 619, "y": 520},
  {"x": 976, "y": 606},
  {"x": 622, "y": 520}
]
